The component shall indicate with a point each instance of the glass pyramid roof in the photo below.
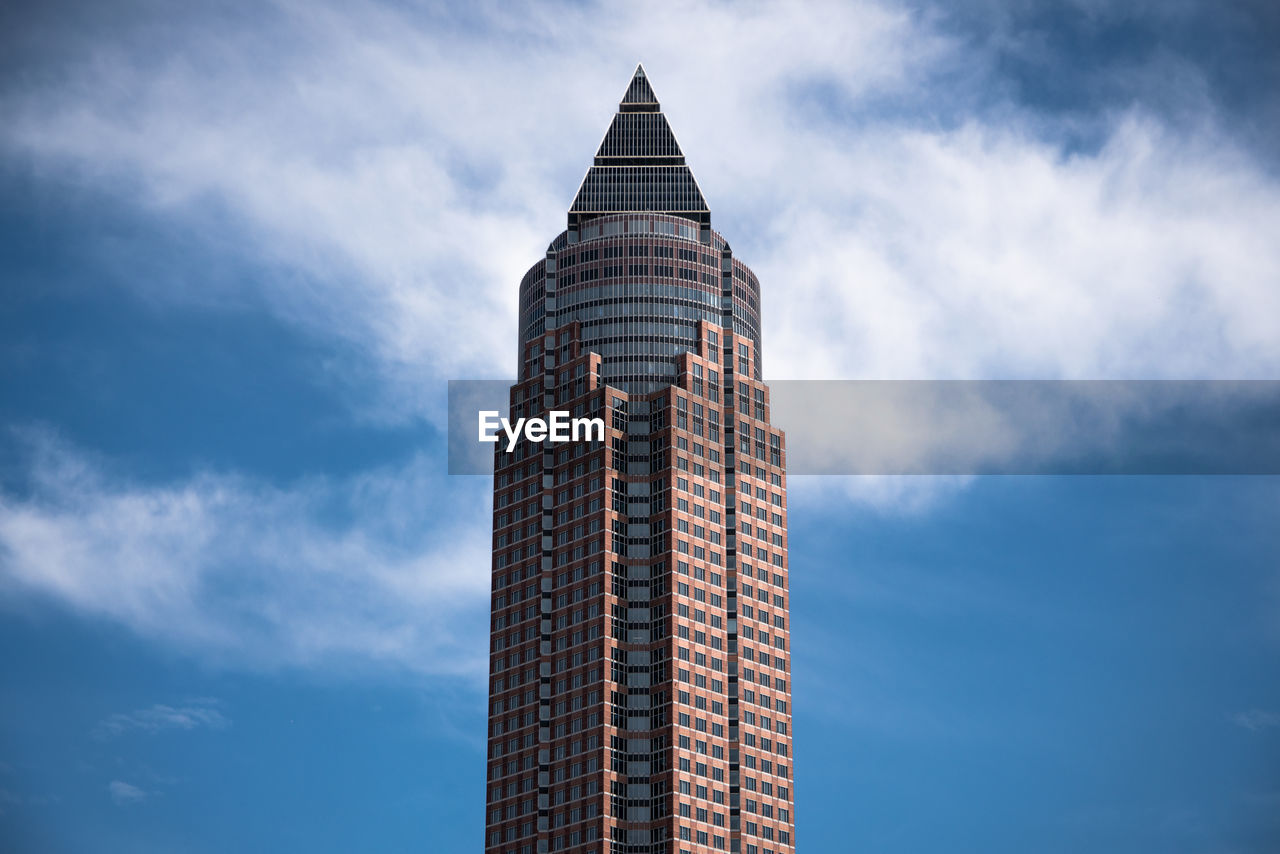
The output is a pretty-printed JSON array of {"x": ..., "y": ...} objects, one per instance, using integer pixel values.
[{"x": 639, "y": 165}]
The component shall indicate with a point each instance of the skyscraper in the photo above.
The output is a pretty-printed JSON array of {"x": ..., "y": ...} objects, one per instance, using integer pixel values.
[{"x": 640, "y": 656}]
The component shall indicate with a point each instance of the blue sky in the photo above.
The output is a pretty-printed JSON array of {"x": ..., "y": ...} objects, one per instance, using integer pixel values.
[{"x": 244, "y": 607}]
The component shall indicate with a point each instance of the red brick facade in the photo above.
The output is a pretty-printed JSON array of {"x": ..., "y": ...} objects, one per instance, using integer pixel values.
[{"x": 640, "y": 645}]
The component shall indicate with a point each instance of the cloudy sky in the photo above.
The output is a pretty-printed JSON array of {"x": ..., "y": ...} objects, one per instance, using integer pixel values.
[{"x": 244, "y": 246}]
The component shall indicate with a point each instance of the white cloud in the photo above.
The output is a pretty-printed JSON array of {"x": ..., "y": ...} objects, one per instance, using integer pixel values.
[
  {"x": 1256, "y": 720},
  {"x": 908, "y": 495},
  {"x": 125, "y": 793},
  {"x": 324, "y": 573},
  {"x": 398, "y": 170},
  {"x": 982, "y": 252},
  {"x": 196, "y": 713},
  {"x": 404, "y": 170}
]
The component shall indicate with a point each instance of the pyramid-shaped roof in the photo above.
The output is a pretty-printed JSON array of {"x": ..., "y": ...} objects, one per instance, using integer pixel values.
[
  {"x": 639, "y": 97},
  {"x": 639, "y": 165}
]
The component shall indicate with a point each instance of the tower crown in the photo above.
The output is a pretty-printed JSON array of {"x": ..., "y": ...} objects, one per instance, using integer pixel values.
[{"x": 639, "y": 165}]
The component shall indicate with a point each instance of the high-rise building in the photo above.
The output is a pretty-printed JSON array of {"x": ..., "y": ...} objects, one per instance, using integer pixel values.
[{"x": 640, "y": 655}]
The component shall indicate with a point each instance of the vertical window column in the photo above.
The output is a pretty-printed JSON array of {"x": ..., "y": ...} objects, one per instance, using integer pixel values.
[
  {"x": 548, "y": 568},
  {"x": 731, "y": 541}
]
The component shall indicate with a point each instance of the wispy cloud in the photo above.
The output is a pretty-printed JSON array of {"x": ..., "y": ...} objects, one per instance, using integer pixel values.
[
  {"x": 323, "y": 572},
  {"x": 905, "y": 495},
  {"x": 394, "y": 171},
  {"x": 398, "y": 169},
  {"x": 1256, "y": 720},
  {"x": 10, "y": 799},
  {"x": 197, "y": 713},
  {"x": 125, "y": 794}
]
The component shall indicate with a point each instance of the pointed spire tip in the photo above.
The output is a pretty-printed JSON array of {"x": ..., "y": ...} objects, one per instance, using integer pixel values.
[{"x": 639, "y": 92}]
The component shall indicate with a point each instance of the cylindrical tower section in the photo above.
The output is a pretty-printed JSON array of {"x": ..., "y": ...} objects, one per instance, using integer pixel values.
[{"x": 638, "y": 284}]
